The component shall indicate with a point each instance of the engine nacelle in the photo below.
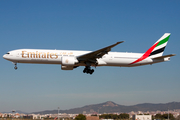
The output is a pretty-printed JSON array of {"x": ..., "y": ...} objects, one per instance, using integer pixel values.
[
  {"x": 67, "y": 67},
  {"x": 69, "y": 61},
  {"x": 100, "y": 62}
]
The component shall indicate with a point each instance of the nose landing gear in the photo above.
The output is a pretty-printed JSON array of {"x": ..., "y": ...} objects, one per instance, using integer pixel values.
[
  {"x": 15, "y": 67},
  {"x": 88, "y": 70}
]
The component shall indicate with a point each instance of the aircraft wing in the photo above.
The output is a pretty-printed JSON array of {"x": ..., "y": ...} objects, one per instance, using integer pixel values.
[{"x": 92, "y": 56}]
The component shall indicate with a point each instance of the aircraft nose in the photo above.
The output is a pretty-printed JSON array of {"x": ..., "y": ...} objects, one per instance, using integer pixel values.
[
  {"x": 7, "y": 56},
  {"x": 4, "y": 56}
]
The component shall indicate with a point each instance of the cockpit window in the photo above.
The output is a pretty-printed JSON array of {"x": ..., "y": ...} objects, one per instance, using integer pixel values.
[{"x": 7, "y": 53}]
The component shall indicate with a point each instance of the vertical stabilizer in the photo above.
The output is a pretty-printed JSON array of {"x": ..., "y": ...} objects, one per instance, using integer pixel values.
[
  {"x": 156, "y": 50},
  {"x": 160, "y": 46}
]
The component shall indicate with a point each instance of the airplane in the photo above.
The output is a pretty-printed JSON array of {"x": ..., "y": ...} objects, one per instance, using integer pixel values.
[{"x": 70, "y": 59}]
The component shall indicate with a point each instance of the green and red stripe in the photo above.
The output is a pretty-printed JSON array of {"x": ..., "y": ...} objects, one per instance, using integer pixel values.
[
  {"x": 146, "y": 54},
  {"x": 150, "y": 51}
]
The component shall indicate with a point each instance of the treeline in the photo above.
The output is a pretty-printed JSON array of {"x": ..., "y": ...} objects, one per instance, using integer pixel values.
[
  {"x": 114, "y": 116},
  {"x": 164, "y": 116}
]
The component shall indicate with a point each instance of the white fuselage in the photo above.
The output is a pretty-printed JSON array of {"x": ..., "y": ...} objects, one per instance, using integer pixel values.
[
  {"x": 70, "y": 59},
  {"x": 40, "y": 56}
]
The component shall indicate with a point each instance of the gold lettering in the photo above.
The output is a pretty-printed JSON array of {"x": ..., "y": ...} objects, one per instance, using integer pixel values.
[
  {"x": 23, "y": 52},
  {"x": 43, "y": 55},
  {"x": 28, "y": 54},
  {"x": 39, "y": 54},
  {"x": 47, "y": 54},
  {"x": 51, "y": 55},
  {"x": 56, "y": 55},
  {"x": 64, "y": 53},
  {"x": 36, "y": 54},
  {"x": 32, "y": 54},
  {"x": 70, "y": 53}
]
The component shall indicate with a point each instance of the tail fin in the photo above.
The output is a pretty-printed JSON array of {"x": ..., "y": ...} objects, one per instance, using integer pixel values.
[
  {"x": 159, "y": 46},
  {"x": 156, "y": 50}
]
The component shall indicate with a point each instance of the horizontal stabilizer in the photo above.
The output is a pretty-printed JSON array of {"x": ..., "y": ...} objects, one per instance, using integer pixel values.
[{"x": 165, "y": 56}]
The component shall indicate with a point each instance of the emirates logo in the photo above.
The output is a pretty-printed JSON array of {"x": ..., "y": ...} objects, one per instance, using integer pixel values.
[{"x": 67, "y": 60}]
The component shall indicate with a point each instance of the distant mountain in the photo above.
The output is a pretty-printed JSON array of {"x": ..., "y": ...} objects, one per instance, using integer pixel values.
[{"x": 111, "y": 107}]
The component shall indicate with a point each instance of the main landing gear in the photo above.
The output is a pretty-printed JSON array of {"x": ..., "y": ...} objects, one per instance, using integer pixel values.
[
  {"x": 88, "y": 70},
  {"x": 15, "y": 67}
]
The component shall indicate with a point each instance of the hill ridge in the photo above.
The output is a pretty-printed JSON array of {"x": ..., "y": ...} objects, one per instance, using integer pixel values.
[{"x": 111, "y": 107}]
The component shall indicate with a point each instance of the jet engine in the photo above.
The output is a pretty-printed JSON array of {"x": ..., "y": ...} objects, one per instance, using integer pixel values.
[{"x": 68, "y": 63}]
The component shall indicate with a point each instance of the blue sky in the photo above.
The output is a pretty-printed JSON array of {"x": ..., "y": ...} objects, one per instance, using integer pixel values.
[{"x": 87, "y": 25}]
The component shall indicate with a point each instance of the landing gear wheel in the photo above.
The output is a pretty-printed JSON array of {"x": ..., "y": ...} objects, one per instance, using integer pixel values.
[
  {"x": 88, "y": 70},
  {"x": 15, "y": 67},
  {"x": 84, "y": 71},
  {"x": 91, "y": 71}
]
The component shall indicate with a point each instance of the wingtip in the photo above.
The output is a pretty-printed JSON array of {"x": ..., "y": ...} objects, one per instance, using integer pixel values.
[{"x": 119, "y": 42}]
